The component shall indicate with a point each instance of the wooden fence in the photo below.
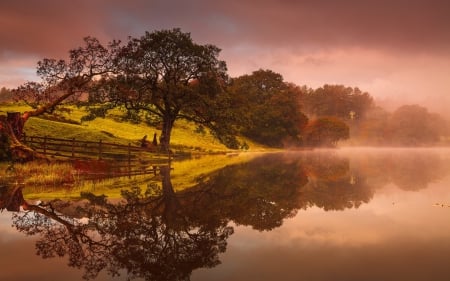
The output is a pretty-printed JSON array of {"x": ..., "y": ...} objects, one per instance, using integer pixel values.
[{"x": 101, "y": 159}]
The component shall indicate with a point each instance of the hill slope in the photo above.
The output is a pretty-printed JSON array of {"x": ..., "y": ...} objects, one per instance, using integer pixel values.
[{"x": 67, "y": 124}]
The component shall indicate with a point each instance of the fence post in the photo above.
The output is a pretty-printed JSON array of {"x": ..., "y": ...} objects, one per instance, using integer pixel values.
[
  {"x": 129, "y": 160},
  {"x": 73, "y": 149},
  {"x": 99, "y": 149},
  {"x": 45, "y": 144}
]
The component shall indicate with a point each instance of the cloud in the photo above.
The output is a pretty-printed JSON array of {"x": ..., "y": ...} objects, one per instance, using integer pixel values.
[
  {"x": 371, "y": 43},
  {"x": 399, "y": 25}
]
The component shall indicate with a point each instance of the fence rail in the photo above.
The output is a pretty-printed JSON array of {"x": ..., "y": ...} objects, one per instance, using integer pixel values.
[{"x": 101, "y": 159}]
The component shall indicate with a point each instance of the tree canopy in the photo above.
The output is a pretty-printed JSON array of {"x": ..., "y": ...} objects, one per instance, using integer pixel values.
[
  {"x": 337, "y": 100},
  {"x": 168, "y": 76},
  {"x": 163, "y": 74},
  {"x": 414, "y": 125},
  {"x": 268, "y": 107},
  {"x": 326, "y": 131}
]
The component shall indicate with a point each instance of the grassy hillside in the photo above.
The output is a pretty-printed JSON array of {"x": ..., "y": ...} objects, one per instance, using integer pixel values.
[{"x": 69, "y": 125}]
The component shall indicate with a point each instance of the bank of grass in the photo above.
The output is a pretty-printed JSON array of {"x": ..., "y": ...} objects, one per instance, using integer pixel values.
[
  {"x": 55, "y": 180},
  {"x": 51, "y": 180},
  {"x": 184, "y": 135}
]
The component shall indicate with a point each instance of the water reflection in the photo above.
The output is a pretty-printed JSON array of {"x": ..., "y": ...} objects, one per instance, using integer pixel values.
[
  {"x": 160, "y": 234},
  {"x": 147, "y": 234},
  {"x": 410, "y": 170}
]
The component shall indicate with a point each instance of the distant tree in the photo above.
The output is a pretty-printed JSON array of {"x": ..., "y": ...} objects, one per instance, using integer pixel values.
[
  {"x": 371, "y": 129},
  {"x": 168, "y": 76},
  {"x": 268, "y": 107},
  {"x": 6, "y": 95},
  {"x": 326, "y": 131},
  {"x": 414, "y": 125},
  {"x": 336, "y": 100}
]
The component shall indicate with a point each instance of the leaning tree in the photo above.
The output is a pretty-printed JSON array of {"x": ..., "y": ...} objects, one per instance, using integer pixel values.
[{"x": 60, "y": 80}]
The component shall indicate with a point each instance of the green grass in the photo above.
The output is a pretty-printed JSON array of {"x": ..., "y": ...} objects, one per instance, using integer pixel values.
[
  {"x": 184, "y": 135},
  {"x": 41, "y": 127},
  {"x": 15, "y": 107}
]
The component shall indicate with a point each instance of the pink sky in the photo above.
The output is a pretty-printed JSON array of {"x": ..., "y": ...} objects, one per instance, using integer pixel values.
[{"x": 397, "y": 50}]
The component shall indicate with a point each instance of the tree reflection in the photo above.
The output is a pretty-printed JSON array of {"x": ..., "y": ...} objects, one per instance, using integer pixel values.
[
  {"x": 140, "y": 235},
  {"x": 263, "y": 192},
  {"x": 333, "y": 185},
  {"x": 415, "y": 170},
  {"x": 260, "y": 193},
  {"x": 160, "y": 234},
  {"x": 410, "y": 170}
]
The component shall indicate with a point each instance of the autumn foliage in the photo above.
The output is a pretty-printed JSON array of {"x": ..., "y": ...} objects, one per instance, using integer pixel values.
[{"x": 325, "y": 131}]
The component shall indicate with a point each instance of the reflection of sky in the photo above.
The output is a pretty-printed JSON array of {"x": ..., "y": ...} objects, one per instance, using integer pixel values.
[
  {"x": 18, "y": 261},
  {"x": 22, "y": 264},
  {"x": 399, "y": 235},
  {"x": 6, "y": 232}
]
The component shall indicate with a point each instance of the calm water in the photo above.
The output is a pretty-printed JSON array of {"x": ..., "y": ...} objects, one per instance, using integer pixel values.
[{"x": 352, "y": 214}]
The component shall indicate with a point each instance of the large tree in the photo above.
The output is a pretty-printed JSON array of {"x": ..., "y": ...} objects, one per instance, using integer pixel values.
[{"x": 166, "y": 75}]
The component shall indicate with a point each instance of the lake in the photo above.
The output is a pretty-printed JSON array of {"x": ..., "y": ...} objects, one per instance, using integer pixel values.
[{"x": 347, "y": 214}]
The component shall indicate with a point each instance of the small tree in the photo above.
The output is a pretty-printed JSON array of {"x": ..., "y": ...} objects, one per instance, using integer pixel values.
[
  {"x": 5, "y": 95},
  {"x": 326, "y": 131}
]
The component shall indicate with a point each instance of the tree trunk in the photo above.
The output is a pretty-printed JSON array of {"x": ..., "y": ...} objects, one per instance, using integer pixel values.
[
  {"x": 166, "y": 133},
  {"x": 11, "y": 198},
  {"x": 172, "y": 213},
  {"x": 11, "y": 131},
  {"x": 15, "y": 121}
]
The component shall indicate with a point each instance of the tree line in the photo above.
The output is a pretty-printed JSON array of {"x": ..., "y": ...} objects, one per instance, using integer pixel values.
[{"x": 164, "y": 76}]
